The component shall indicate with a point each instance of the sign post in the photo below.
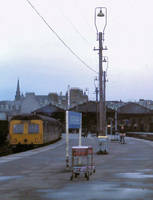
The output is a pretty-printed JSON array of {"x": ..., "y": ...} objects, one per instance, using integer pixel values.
[
  {"x": 73, "y": 121},
  {"x": 67, "y": 140}
]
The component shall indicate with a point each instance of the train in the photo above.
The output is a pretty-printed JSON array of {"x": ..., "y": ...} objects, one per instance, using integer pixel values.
[
  {"x": 33, "y": 130},
  {"x": 4, "y": 129}
]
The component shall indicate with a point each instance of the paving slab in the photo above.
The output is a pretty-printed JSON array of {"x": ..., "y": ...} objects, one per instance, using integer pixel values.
[{"x": 125, "y": 173}]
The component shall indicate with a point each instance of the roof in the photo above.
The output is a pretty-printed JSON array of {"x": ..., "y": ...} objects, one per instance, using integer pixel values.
[
  {"x": 133, "y": 108},
  {"x": 90, "y": 106},
  {"x": 32, "y": 117},
  {"x": 49, "y": 109}
]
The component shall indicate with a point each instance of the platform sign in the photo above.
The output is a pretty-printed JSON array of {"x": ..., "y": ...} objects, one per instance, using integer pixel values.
[{"x": 75, "y": 120}]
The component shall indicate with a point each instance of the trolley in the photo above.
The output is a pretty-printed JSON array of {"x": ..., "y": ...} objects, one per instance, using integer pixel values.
[
  {"x": 115, "y": 137},
  {"x": 91, "y": 167},
  {"x": 102, "y": 145},
  {"x": 80, "y": 162}
]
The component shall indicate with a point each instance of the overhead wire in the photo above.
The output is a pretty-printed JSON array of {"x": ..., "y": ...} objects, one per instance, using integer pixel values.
[
  {"x": 60, "y": 38},
  {"x": 72, "y": 24},
  {"x": 84, "y": 17},
  {"x": 78, "y": 8}
]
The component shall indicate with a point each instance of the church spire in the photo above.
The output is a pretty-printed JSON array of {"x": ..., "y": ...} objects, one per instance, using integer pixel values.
[{"x": 18, "y": 96}]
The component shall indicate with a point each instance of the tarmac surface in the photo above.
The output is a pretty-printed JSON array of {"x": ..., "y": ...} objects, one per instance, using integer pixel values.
[{"x": 39, "y": 174}]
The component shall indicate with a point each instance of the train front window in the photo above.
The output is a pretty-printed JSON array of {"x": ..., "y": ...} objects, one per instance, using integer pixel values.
[
  {"x": 18, "y": 128},
  {"x": 33, "y": 128}
]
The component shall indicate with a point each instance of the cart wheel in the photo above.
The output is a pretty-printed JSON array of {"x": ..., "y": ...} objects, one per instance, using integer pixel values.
[{"x": 71, "y": 178}]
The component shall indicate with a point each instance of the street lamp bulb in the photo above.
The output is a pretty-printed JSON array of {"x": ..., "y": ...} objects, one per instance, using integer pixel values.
[
  {"x": 96, "y": 78},
  {"x": 100, "y": 14},
  {"x": 104, "y": 60}
]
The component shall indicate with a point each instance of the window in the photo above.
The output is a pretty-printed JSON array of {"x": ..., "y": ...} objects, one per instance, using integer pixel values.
[
  {"x": 18, "y": 128},
  {"x": 6, "y": 107},
  {"x": 33, "y": 128},
  {"x": 17, "y": 107},
  {"x": 2, "y": 106}
]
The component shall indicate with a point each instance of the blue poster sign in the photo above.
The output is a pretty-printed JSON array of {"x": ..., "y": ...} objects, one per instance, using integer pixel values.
[{"x": 75, "y": 120}]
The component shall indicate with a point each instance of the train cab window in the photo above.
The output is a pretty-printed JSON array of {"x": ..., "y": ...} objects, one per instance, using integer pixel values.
[
  {"x": 33, "y": 128},
  {"x": 18, "y": 128}
]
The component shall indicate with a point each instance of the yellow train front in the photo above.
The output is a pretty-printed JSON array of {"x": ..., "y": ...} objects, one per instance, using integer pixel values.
[{"x": 31, "y": 129}]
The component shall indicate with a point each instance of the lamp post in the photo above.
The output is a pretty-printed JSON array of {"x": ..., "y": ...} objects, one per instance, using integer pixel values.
[
  {"x": 96, "y": 87},
  {"x": 96, "y": 91},
  {"x": 86, "y": 91},
  {"x": 105, "y": 60},
  {"x": 102, "y": 13}
]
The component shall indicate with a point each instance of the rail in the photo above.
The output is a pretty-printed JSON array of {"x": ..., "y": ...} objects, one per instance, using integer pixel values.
[{"x": 141, "y": 135}]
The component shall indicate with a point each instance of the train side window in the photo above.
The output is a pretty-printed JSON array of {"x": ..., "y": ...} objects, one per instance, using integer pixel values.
[
  {"x": 18, "y": 128},
  {"x": 33, "y": 128}
]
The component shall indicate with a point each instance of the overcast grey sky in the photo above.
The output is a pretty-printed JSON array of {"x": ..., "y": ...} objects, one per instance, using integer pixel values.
[{"x": 32, "y": 52}]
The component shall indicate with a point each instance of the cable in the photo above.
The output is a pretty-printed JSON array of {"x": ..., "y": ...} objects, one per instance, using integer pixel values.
[
  {"x": 60, "y": 38},
  {"x": 72, "y": 25},
  {"x": 83, "y": 16}
]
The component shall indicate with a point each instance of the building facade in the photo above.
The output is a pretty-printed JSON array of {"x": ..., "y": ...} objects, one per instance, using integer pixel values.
[{"x": 31, "y": 102}]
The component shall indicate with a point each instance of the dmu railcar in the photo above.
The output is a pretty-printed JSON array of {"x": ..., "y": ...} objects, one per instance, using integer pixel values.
[
  {"x": 32, "y": 129},
  {"x": 4, "y": 128},
  {"x": 3, "y": 132}
]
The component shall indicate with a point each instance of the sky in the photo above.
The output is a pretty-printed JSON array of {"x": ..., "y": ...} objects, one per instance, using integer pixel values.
[{"x": 50, "y": 46}]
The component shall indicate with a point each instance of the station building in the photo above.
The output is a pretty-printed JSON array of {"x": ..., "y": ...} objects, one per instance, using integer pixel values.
[{"x": 136, "y": 116}]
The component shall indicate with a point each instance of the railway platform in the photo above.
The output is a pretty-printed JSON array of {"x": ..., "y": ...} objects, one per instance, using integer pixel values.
[{"x": 39, "y": 174}]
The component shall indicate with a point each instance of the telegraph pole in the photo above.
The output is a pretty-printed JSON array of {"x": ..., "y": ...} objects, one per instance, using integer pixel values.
[
  {"x": 101, "y": 88},
  {"x": 101, "y": 105}
]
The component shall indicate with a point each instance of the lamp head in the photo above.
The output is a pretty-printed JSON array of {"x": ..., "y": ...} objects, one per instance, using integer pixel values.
[
  {"x": 104, "y": 60},
  {"x": 100, "y": 14},
  {"x": 96, "y": 78},
  {"x": 96, "y": 82}
]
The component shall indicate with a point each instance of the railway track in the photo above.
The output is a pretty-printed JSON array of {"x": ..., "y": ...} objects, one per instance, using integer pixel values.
[
  {"x": 140, "y": 135},
  {"x": 6, "y": 149}
]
